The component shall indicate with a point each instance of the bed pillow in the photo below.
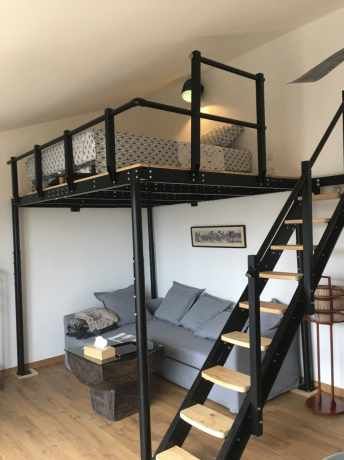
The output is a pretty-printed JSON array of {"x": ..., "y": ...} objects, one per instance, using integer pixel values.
[
  {"x": 224, "y": 136},
  {"x": 203, "y": 310},
  {"x": 178, "y": 300},
  {"x": 212, "y": 329},
  {"x": 239, "y": 160}
]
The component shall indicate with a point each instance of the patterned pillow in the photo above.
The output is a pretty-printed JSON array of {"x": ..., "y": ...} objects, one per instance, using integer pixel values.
[
  {"x": 212, "y": 156},
  {"x": 238, "y": 160},
  {"x": 223, "y": 135},
  {"x": 132, "y": 149}
]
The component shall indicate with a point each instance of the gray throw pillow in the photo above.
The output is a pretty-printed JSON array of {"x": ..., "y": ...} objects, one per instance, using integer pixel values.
[
  {"x": 153, "y": 304},
  {"x": 212, "y": 329},
  {"x": 204, "y": 309},
  {"x": 121, "y": 302},
  {"x": 177, "y": 302}
]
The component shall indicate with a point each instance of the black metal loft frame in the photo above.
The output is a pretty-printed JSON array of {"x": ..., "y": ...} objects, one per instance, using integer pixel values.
[
  {"x": 114, "y": 180},
  {"x": 141, "y": 187}
]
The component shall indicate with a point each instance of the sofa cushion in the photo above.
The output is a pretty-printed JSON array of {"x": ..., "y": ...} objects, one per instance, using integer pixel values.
[
  {"x": 178, "y": 300},
  {"x": 212, "y": 329},
  {"x": 203, "y": 310},
  {"x": 179, "y": 343},
  {"x": 122, "y": 302}
]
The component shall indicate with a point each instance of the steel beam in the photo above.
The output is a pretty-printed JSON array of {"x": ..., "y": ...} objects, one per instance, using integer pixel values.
[
  {"x": 152, "y": 261},
  {"x": 21, "y": 368},
  {"x": 141, "y": 326}
]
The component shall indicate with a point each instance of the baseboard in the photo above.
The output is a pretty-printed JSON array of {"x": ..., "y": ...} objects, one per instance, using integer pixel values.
[
  {"x": 48, "y": 362},
  {"x": 324, "y": 386}
]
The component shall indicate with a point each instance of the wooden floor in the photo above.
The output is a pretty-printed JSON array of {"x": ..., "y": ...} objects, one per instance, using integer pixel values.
[{"x": 49, "y": 417}]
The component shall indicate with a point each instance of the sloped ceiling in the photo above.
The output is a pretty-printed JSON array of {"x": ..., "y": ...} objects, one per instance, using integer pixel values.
[{"x": 65, "y": 57}]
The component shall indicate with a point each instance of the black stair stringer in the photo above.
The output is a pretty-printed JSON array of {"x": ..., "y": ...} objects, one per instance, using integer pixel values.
[
  {"x": 266, "y": 260},
  {"x": 240, "y": 433}
]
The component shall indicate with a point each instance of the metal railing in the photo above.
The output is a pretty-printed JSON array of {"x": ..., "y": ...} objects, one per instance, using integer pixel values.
[
  {"x": 108, "y": 118},
  {"x": 303, "y": 190}
]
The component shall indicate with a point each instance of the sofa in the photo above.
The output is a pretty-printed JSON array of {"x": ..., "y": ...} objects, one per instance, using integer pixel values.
[{"x": 185, "y": 353}]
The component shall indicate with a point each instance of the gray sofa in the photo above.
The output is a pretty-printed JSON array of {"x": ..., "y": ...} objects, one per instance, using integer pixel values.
[{"x": 185, "y": 353}]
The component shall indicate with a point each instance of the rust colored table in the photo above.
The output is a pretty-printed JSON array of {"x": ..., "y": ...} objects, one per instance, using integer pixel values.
[{"x": 329, "y": 310}]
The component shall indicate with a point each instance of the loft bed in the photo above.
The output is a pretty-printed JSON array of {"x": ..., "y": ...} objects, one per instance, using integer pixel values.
[
  {"x": 94, "y": 164},
  {"x": 103, "y": 178}
]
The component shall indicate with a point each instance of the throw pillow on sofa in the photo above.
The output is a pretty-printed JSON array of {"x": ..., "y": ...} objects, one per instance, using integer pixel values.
[
  {"x": 204, "y": 309},
  {"x": 212, "y": 329},
  {"x": 178, "y": 300},
  {"x": 122, "y": 302}
]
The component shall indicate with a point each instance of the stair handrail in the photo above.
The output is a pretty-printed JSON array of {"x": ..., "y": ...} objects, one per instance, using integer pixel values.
[{"x": 303, "y": 189}]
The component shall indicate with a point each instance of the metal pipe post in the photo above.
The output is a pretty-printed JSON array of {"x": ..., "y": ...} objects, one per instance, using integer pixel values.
[
  {"x": 21, "y": 369},
  {"x": 38, "y": 169},
  {"x": 141, "y": 326},
  {"x": 255, "y": 348},
  {"x": 196, "y": 111},
  {"x": 306, "y": 333},
  {"x": 110, "y": 146},
  {"x": 152, "y": 262},
  {"x": 307, "y": 237},
  {"x": 261, "y": 130},
  {"x": 69, "y": 159}
]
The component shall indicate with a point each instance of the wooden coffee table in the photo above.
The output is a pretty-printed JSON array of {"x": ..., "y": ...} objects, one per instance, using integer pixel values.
[{"x": 113, "y": 384}]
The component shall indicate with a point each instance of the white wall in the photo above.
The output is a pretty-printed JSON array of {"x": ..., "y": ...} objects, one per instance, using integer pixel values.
[
  {"x": 66, "y": 256},
  {"x": 297, "y": 115}
]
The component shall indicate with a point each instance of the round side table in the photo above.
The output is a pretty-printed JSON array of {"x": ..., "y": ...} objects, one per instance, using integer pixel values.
[{"x": 329, "y": 310}]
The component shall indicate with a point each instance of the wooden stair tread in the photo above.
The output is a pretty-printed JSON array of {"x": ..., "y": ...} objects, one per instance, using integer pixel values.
[
  {"x": 317, "y": 220},
  {"x": 281, "y": 275},
  {"x": 228, "y": 378},
  {"x": 242, "y": 339},
  {"x": 287, "y": 247},
  {"x": 207, "y": 420},
  {"x": 267, "y": 307},
  {"x": 175, "y": 453}
]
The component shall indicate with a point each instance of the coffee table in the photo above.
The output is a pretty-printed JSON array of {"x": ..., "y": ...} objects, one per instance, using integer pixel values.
[{"x": 112, "y": 383}]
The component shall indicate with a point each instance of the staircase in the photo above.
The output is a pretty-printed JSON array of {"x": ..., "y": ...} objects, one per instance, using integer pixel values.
[{"x": 295, "y": 217}]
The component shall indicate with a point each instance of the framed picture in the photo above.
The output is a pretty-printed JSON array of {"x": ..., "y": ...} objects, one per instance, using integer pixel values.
[{"x": 216, "y": 236}]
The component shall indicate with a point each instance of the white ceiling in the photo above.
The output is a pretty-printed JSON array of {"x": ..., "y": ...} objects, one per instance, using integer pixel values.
[{"x": 65, "y": 57}]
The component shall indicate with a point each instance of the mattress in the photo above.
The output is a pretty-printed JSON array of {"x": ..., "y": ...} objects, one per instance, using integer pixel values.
[{"x": 89, "y": 154}]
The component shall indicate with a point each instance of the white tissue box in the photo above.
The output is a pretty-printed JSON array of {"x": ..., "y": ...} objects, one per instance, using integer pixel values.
[{"x": 97, "y": 353}]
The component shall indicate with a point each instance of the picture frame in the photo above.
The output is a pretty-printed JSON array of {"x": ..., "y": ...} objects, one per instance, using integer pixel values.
[{"x": 219, "y": 236}]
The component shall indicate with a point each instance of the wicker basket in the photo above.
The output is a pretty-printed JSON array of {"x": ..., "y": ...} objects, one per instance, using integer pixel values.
[{"x": 329, "y": 304}]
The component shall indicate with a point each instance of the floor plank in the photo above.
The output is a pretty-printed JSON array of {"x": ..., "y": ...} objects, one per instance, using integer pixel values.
[{"x": 49, "y": 417}]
